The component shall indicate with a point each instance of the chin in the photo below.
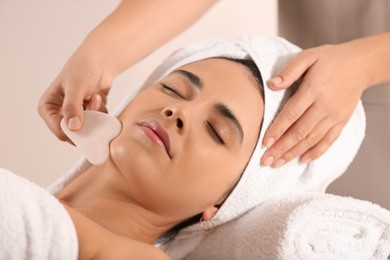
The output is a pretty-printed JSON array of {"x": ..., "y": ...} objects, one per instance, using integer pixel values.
[
  {"x": 141, "y": 176},
  {"x": 134, "y": 160}
]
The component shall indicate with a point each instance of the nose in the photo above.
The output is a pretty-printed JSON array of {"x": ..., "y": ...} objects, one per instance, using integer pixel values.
[{"x": 176, "y": 115}]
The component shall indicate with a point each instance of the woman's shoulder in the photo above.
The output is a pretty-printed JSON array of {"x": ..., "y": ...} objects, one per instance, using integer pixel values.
[
  {"x": 124, "y": 248},
  {"x": 96, "y": 242}
]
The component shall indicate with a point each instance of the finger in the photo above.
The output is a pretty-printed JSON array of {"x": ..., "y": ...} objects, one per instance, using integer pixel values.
[
  {"x": 49, "y": 108},
  {"x": 103, "y": 108},
  {"x": 319, "y": 149},
  {"x": 103, "y": 102},
  {"x": 73, "y": 108},
  {"x": 292, "y": 71},
  {"x": 54, "y": 125},
  {"x": 295, "y": 134},
  {"x": 311, "y": 140},
  {"x": 95, "y": 103},
  {"x": 291, "y": 112}
]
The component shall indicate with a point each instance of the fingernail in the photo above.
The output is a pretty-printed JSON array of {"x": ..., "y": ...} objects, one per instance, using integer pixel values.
[
  {"x": 277, "y": 80},
  {"x": 270, "y": 142},
  {"x": 306, "y": 160},
  {"x": 269, "y": 161},
  {"x": 74, "y": 123},
  {"x": 279, "y": 163}
]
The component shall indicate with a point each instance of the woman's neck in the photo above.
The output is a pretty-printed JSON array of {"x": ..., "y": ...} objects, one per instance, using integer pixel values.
[{"x": 96, "y": 195}]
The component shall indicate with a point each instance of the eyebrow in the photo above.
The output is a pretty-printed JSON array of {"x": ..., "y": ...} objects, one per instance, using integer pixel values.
[
  {"x": 226, "y": 112},
  {"x": 194, "y": 79}
]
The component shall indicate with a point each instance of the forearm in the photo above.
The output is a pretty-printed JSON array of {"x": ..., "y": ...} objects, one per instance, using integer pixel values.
[
  {"x": 374, "y": 53},
  {"x": 138, "y": 27}
]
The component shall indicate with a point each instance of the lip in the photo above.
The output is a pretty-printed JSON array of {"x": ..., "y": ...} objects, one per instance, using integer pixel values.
[{"x": 157, "y": 134}]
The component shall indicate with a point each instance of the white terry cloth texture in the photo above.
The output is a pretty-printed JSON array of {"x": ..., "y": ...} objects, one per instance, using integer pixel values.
[
  {"x": 311, "y": 226},
  {"x": 33, "y": 224},
  {"x": 257, "y": 183}
]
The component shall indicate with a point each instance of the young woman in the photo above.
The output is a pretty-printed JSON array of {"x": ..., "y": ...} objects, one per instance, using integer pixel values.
[{"x": 169, "y": 162}]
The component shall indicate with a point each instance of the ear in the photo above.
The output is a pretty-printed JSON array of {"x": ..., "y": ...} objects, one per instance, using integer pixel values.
[{"x": 209, "y": 213}]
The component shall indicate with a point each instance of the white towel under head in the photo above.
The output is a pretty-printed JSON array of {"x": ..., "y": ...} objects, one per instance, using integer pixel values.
[
  {"x": 305, "y": 226},
  {"x": 257, "y": 183}
]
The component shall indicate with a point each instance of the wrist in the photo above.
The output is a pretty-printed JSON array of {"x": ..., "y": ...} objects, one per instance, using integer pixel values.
[
  {"x": 374, "y": 61},
  {"x": 90, "y": 65},
  {"x": 100, "y": 52}
]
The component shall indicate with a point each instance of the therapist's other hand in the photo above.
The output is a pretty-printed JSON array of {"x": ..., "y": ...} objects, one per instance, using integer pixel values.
[
  {"x": 82, "y": 84},
  {"x": 332, "y": 84}
]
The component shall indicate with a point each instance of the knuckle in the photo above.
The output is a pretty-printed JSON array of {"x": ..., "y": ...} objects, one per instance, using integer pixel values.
[
  {"x": 338, "y": 132},
  {"x": 303, "y": 55},
  {"x": 277, "y": 132},
  {"x": 40, "y": 107},
  {"x": 42, "y": 100},
  {"x": 105, "y": 82},
  {"x": 287, "y": 72},
  {"x": 322, "y": 147},
  {"x": 289, "y": 155},
  {"x": 330, "y": 138},
  {"x": 318, "y": 151},
  {"x": 326, "y": 46},
  {"x": 306, "y": 54},
  {"x": 275, "y": 152},
  {"x": 312, "y": 139},
  {"x": 298, "y": 134},
  {"x": 291, "y": 115},
  {"x": 324, "y": 144},
  {"x": 68, "y": 108}
]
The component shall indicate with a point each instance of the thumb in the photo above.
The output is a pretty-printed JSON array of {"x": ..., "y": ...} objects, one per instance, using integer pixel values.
[
  {"x": 292, "y": 71},
  {"x": 73, "y": 108}
]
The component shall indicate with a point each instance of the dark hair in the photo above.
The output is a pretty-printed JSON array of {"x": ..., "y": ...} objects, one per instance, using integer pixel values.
[
  {"x": 256, "y": 75},
  {"x": 254, "y": 70}
]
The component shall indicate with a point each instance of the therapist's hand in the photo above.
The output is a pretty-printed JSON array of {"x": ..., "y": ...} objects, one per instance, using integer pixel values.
[
  {"x": 333, "y": 80},
  {"x": 82, "y": 84},
  {"x": 123, "y": 38}
]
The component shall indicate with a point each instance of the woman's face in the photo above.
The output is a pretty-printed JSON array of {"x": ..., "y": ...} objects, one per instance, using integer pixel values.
[{"x": 187, "y": 138}]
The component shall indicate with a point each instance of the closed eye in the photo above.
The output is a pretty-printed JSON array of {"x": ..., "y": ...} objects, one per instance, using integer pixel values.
[
  {"x": 171, "y": 90},
  {"x": 214, "y": 134}
]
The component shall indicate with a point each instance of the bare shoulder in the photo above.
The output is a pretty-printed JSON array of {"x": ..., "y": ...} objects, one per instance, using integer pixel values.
[
  {"x": 158, "y": 254},
  {"x": 96, "y": 242},
  {"x": 125, "y": 248}
]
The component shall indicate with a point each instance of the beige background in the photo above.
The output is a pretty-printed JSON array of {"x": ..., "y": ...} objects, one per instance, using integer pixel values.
[{"x": 38, "y": 36}]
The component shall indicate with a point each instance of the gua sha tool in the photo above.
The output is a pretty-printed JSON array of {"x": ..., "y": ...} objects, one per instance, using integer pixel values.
[{"x": 94, "y": 137}]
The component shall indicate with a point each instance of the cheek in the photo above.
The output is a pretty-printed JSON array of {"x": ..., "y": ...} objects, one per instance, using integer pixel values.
[
  {"x": 132, "y": 110},
  {"x": 206, "y": 156},
  {"x": 209, "y": 172},
  {"x": 147, "y": 99},
  {"x": 121, "y": 150}
]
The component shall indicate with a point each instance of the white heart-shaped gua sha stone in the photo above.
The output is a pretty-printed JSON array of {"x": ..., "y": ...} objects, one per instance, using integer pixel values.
[{"x": 94, "y": 137}]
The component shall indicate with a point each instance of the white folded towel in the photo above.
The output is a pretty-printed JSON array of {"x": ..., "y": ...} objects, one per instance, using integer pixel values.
[
  {"x": 303, "y": 227},
  {"x": 33, "y": 224}
]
